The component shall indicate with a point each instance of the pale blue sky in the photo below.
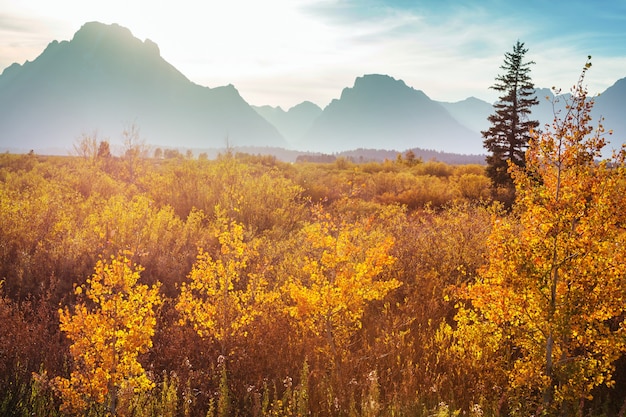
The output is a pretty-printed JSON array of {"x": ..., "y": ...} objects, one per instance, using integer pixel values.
[{"x": 281, "y": 52}]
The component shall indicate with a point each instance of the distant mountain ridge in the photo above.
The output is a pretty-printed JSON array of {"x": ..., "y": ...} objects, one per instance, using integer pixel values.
[
  {"x": 609, "y": 106},
  {"x": 293, "y": 123},
  {"x": 105, "y": 79},
  {"x": 357, "y": 126},
  {"x": 471, "y": 113},
  {"x": 380, "y": 110}
]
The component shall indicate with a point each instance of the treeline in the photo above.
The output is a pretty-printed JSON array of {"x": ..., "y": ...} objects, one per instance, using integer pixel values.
[
  {"x": 381, "y": 155},
  {"x": 245, "y": 286}
]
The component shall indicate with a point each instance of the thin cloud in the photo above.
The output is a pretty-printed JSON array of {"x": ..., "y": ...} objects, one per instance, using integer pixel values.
[
  {"x": 21, "y": 38},
  {"x": 16, "y": 25}
]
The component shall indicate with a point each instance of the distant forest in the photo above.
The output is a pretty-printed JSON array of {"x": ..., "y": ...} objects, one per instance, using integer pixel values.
[{"x": 355, "y": 156}]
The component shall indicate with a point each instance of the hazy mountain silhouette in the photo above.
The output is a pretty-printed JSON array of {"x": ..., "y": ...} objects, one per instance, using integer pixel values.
[
  {"x": 471, "y": 113},
  {"x": 380, "y": 111},
  {"x": 106, "y": 79},
  {"x": 611, "y": 105},
  {"x": 294, "y": 123}
]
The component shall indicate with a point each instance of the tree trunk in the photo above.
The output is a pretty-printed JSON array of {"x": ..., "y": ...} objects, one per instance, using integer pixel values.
[{"x": 548, "y": 393}]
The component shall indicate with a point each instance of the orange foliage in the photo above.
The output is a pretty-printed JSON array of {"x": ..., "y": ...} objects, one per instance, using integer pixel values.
[{"x": 551, "y": 301}]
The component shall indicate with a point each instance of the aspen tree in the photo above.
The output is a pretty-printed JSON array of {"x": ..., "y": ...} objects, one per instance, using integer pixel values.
[{"x": 554, "y": 291}]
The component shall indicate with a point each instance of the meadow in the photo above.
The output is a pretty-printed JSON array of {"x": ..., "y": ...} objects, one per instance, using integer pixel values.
[{"x": 171, "y": 285}]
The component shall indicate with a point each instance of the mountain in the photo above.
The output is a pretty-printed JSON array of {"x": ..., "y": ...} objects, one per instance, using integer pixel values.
[
  {"x": 611, "y": 105},
  {"x": 471, "y": 113},
  {"x": 380, "y": 111},
  {"x": 105, "y": 79},
  {"x": 608, "y": 105},
  {"x": 543, "y": 111},
  {"x": 293, "y": 123}
]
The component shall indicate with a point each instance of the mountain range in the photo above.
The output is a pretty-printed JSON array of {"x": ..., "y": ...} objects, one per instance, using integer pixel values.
[{"x": 105, "y": 79}]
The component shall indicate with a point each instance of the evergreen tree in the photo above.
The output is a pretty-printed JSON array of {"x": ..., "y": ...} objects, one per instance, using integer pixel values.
[{"x": 508, "y": 136}]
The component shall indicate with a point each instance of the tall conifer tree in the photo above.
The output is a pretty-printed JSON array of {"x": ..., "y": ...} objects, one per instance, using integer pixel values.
[{"x": 507, "y": 138}]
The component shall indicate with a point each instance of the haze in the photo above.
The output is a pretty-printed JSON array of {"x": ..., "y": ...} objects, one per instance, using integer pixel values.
[{"x": 282, "y": 52}]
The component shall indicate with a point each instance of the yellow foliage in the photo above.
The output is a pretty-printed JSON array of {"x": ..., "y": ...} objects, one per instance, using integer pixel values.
[
  {"x": 108, "y": 337},
  {"x": 337, "y": 277},
  {"x": 223, "y": 295}
]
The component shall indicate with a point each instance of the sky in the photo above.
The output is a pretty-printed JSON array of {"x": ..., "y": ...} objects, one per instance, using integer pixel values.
[{"x": 283, "y": 52}]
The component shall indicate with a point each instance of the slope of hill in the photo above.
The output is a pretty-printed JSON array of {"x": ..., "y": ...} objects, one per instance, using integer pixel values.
[
  {"x": 105, "y": 79},
  {"x": 380, "y": 111}
]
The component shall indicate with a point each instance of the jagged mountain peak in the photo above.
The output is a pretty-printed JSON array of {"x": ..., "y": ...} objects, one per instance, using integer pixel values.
[
  {"x": 91, "y": 33},
  {"x": 380, "y": 87},
  {"x": 105, "y": 77},
  {"x": 377, "y": 81},
  {"x": 293, "y": 123},
  {"x": 95, "y": 35},
  {"x": 113, "y": 49},
  {"x": 616, "y": 91},
  {"x": 99, "y": 54}
]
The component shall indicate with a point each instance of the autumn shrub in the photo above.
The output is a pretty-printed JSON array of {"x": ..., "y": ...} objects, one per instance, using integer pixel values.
[
  {"x": 473, "y": 187},
  {"x": 161, "y": 401},
  {"x": 321, "y": 184},
  {"x": 333, "y": 276},
  {"x": 38, "y": 219},
  {"x": 433, "y": 168},
  {"x": 391, "y": 182},
  {"x": 29, "y": 342},
  {"x": 182, "y": 184},
  {"x": 436, "y": 252},
  {"x": 459, "y": 170},
  {"x": 422, "y": 191},
  {"x": 375, "y": 167},
  {"x": 260, "y": 196}
]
